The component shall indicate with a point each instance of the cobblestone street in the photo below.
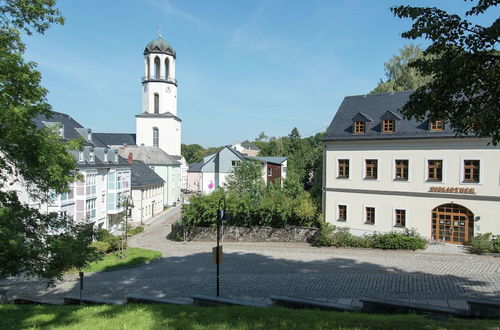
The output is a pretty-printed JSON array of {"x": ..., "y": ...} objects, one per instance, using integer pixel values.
[{"x": 258, "y": 270}]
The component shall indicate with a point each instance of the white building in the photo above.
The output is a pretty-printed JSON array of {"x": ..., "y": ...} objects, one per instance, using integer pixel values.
[
  {"x": 164, "y": 165},
  {"x": 384, "y": 173},
  {"x": 105, "y": 177},
  {"x": 147, "y": 192},
  {"x": 157, "y": 124},
  {"x": 213, "y": 171}
]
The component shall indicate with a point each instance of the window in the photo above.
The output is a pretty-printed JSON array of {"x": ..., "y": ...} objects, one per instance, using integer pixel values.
[
  {"x": 269, "y": 171},
  {"x": 371, "y": 168},
  {"x": 401, "y": 169},
  {"x": 471, "y": 170},
  {"x": 148, "y": 69},
  {"x": 342, "y": 215},
  {"x": 435, "y": 170},
  {"x": 388, "y": 126},
  {"x": 234, "y": 162},
  {"x": 156, "y": 137},
  {"x": 370, "y": 215},
  {"x": 157, "y": 68},
  {"x": 156, "y": 103},
  {"x": 166, "y": 69},
  {"x": 400, "y": 218},
  {"x": 359, "y": 127},
  {"x": 436, "y": 125},
  {"x": 343, "y": 168}
]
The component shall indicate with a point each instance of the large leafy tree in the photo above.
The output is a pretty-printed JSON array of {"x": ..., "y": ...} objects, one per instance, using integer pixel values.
[
  {"x": 463, "y": 60},
  {"x": 32, "y": 243},
  {"x": 400, "y": 76}
]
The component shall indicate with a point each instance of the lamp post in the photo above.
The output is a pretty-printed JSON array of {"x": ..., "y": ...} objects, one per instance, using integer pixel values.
[{"x": 221, "y": 216}]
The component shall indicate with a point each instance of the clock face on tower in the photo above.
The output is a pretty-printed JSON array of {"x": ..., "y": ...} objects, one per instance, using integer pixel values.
[
  {"x": 145, "y": 88},
  {"x": 167, "y": 89}
]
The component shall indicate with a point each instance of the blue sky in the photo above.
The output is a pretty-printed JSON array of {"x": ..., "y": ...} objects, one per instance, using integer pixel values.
[{"x": 243, "y": 66}]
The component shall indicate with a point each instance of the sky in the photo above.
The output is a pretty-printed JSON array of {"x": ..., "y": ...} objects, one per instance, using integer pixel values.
[{"x": 243, "y": 67}]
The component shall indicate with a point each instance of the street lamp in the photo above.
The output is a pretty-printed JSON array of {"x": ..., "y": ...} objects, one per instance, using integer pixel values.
[{"x": 221, "y": 216}]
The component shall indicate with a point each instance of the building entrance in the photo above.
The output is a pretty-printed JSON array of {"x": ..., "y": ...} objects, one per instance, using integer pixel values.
[{"x": 452, "y": 223}]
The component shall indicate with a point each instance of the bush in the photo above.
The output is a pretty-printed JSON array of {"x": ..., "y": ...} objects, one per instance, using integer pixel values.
[
  {"x": 324, "y": 237},
  {"x": 105, "y": 236},
  {"x": 102, "y": 247},
  {"x": 484, "y": 243},
  {"x": 135, "y": 231},
  {"x": 408, "y": 240}
]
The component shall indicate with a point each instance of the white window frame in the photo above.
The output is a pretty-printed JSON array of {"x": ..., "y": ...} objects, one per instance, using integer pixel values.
[
  {"x": 364, "y": 215},
  {"x": 394, "y": 217},
  {"x": 462, "y": 170},
  {"x": 379, "y": 167},
  {"x": 426, "y": 170},
  {"x": 393, "y": 169},
  {"x": 336, "y": 168},
  {"x": 337, "y": 213}
]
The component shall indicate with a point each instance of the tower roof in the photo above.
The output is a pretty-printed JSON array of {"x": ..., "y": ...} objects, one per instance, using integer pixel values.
[{"x": 159, "y": 45}]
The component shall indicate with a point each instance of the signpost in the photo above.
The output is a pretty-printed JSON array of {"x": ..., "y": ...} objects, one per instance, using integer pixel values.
[
  {"x": 81, "y": 287},
  {"x": 217, "y": 251}
]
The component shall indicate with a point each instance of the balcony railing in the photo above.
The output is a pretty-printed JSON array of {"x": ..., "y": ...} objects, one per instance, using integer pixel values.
[{"x": 160, "y": 78}]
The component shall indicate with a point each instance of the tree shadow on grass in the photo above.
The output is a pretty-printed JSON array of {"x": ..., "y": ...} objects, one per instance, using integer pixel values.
[{"x": 252, "y": 275}]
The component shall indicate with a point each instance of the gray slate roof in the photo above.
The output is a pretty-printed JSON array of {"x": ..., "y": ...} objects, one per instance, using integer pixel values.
[
  {"x": 195, "y": 167},
  {"x": 143, "y": 175},
  {"x": 72, "y": 130},
  {"x": 375, "y": 107},
  {"x": 148, "y": 154},
  {"x": 249, "y": 145},
  {"x": 115, "y": 139}
]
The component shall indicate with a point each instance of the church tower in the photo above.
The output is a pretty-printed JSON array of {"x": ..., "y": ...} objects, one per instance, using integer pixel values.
[{"x": 158, "y": 124}]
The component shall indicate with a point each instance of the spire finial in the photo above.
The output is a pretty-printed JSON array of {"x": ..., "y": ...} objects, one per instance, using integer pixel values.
[{"x": 159, "y": 31}]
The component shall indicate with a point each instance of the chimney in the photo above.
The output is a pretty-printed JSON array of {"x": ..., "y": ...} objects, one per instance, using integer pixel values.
[{"x": 130, "y": 158}]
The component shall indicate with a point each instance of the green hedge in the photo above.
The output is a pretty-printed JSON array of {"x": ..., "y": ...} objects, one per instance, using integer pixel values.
[
  {"x": 484, "y": 243},
  {"x": 272, "y": 207},
  {"x": 407, "y": 240}
]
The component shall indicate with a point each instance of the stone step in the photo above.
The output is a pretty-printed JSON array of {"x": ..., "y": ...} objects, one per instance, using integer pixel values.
[
  {"x": 379, "y": 305},
  {"x": 141, "y": 299},
  {"x": 213, "y": 301},
  {"x": 299, "y": 303},
  {"x": 484, "y": 308},
  {"x": 75, "y": 300},
  {"x": 23, "y": 300}
]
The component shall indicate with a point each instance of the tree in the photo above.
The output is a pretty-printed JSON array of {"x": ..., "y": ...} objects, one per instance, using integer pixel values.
[
  {"x": 246, "y": 178},
  {"x": 464, "y": 63},
  {"x": 400, "y": 76},
  {"x": 33, "y": 243},
  {"x": 193, "y": 153}
]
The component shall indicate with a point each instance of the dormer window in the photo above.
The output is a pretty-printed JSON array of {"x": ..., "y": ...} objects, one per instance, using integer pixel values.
[
  {"x": 80, "y": 157},
  {"x": 91, "y": 156},
  {"x": 388, "y": 126},
  {"x": 106, "y": 156},
  {"x": 389, "y": 118},
  {"x": 436, "y": 125},
  {"x": 360, "y": 121},
  {"x": 359, "y": 127}
]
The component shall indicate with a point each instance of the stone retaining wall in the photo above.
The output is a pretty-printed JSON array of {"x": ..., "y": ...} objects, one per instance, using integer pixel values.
[{"x": 243, "y": 234}]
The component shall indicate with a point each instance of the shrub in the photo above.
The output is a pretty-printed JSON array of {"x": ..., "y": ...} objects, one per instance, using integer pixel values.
[
  {"x": 324, "y": 237},
  {"x": 102, "y": 247},
  {"x": 408, "y": 240},
  {"x": 114, "y": 242},
  {"x": 484, "y": 243},
  {"x": 135, "y": 231}
]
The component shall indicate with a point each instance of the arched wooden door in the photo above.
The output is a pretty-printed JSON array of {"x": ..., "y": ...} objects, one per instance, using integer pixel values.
[{"x": 452, "y": 223}]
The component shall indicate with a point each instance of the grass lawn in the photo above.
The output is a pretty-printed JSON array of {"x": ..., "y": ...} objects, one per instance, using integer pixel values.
[
  {"x": 132, "y": 256},
  {"x": 190, "y": 317}
]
